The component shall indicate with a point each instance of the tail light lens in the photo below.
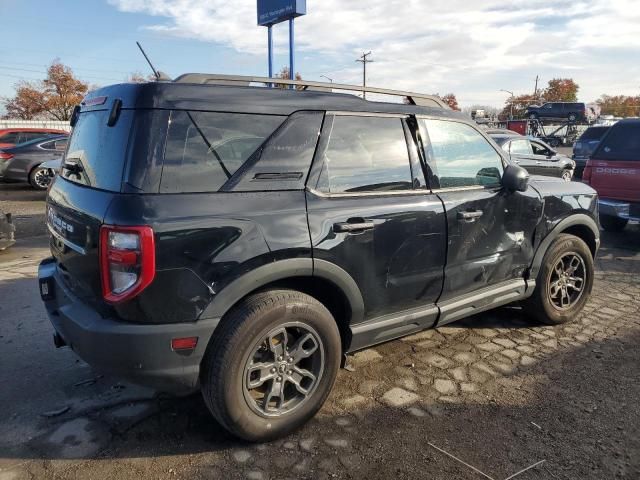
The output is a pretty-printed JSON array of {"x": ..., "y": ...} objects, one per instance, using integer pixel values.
[
  {"x": 6, "y": 156},
  {"x": 586, "y": 174},
  {"x": 127, "y": 261}
]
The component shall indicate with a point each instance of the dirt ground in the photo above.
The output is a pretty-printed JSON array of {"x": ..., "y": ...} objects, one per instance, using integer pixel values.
[{"x": 486, "y": 397}]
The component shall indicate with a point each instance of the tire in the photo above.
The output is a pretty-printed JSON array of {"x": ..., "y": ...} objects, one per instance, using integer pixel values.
[
  {"x": 572, "y": 117},
  {"x": 245, "y": 339},
  {"x": 39, "y": 178},
  {"x": 542, "y": 305},
  {"x": 613, "y": 224},
  {"x": 567, "y": 174}
]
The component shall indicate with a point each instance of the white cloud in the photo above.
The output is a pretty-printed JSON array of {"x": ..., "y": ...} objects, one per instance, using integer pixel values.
[{"x": 463, "y": 46}]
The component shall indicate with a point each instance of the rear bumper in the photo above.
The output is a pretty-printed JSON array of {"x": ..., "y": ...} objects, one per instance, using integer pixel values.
[
  {"x": 619, "y": 209},
  {"x": 140, "y": 353}
]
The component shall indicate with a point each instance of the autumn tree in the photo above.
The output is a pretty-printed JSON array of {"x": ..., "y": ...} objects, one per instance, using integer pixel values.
[
  {"x": 619, "y": 105},
  {"x": 450, "y": 99},
  {"x": 54, "y": 97},
  {"x": 561, "y": 90},
  {"x": 284, "y": 74},
  {"x": 517, "y": 106}
]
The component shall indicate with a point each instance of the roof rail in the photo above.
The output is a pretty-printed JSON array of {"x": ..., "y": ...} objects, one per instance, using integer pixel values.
[{"x": 216, "y": 79}]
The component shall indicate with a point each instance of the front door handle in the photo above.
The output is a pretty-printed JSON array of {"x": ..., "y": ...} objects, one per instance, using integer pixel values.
[
  {"x": 352, "y": 227},
  {"x": 470, "y": 216}
]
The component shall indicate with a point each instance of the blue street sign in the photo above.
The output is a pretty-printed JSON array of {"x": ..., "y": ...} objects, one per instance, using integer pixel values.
[{"x": 271, "y": 12}]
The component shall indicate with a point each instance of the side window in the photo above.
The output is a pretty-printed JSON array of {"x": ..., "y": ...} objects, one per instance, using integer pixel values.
[
  {"x": 10, "y": 138},
  {"x": 521, "y": 147},
  {"x": 539, "y": 149},
  {"x": 48, "y": 145},
  {"x": 204, "y": 149},
  {"x": 548, "y": 106},
  {"x": 463, "y": 157},
  {"x": 366, "y": 154},
  {"x": 60, "y": 145}
]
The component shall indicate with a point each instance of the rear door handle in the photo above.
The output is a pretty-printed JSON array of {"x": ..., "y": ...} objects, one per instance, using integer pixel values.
[
  {"x": 352, "y": 227},
  {"x": 470, "y": 216}
]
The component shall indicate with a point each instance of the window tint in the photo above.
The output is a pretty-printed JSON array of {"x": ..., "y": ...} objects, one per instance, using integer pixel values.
[
  {"x": 204, "y": 149},
  {"x": 548, "y": 105},
  {"x": 594, "y": 133},
  {"x": 520, "y": 147},
  {"x": 366, "y": 154},
  {"x": 284, "y": 161},
  {"x": 97, "y": 153},
  {"x": 622, "y": 143},
  {"x": 462, "y": 156},
  {"x": 48, "y": 145}
]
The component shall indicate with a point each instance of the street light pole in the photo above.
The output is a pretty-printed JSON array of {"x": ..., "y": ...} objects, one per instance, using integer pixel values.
[
  {"x": 511, "y": 103},
  {"x": 328, "y": 78}
]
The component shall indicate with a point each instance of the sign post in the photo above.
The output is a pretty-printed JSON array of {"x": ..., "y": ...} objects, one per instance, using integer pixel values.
[{"x": 271, "y": 12}]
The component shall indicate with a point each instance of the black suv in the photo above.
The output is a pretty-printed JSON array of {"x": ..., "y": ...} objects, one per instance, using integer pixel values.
[
  {"x": 242, "y": 240},
  {"x": 572, "y": 111}
]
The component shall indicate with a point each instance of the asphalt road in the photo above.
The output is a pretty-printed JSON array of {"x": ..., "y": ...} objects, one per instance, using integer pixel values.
[{"x": 494, "y": 391}]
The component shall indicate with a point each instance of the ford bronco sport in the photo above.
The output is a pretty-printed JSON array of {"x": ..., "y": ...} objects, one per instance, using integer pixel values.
[{"x": 241, "y": 240}]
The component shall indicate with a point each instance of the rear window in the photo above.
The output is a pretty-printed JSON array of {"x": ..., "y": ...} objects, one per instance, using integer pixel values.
[
  {"x": 622, "y": 143},
  {"x": 204, "y": 149},
  {"x": 96, "y": 153},
  {"x": 594, "y": 133}
]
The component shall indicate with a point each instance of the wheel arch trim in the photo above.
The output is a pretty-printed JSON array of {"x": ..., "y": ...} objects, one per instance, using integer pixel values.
[{"x": 580, "y": 220}]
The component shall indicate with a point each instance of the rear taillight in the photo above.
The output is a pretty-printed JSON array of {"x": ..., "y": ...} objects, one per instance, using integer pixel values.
[
  {"x": 586, "y": 174},
  {"x": 6, "y": 156},
  {"x": 127, "y": 261}
]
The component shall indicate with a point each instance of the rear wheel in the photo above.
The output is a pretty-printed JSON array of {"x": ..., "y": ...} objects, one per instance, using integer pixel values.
[
  {"x": 564, "y": 282},
  {"x": 613, "y": 224},
  {"x": 572, "y": 117},
  {"x": 40, "y": 178},
  {"x": 272, "y": 364}
]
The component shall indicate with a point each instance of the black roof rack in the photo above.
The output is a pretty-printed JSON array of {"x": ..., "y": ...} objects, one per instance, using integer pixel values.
[{"x": 215, "y": 79}]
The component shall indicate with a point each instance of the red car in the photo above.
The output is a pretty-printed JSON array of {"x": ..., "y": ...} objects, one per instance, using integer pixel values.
[
  {"x": 614, "y": 172},
  {"x": 10, "y": 137}
]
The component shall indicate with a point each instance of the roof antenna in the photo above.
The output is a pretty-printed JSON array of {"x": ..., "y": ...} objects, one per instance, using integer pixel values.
[{"x": 155, "y": 72}]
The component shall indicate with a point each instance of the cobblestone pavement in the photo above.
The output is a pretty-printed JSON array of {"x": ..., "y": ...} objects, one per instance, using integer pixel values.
[{"x": 495, "y": 391}]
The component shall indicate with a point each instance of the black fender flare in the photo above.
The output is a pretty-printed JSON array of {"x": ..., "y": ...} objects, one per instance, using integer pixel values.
[
  {"x": 571, "y": 221},
  {"x": 283, "y": 270}
]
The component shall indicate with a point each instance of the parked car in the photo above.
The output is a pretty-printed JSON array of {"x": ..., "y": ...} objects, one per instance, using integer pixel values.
[
  {"x": 572, "y": 111},
  {"x": 536, "y": 156},
  {"x": 350, "y": 223},
  {"x": 10, "y": 137},
  {"x": 614, "y": 171},
  {"x": 20, "y": 163},
  {"x": 585, "y": 146}
]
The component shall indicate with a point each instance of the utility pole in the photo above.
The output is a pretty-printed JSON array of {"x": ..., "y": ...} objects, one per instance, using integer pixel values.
[
  {"x": 535, "y": 90},
  {"x": 364, "y": 60}
]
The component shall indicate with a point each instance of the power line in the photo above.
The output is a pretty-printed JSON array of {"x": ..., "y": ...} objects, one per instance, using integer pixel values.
[{"x": 364, "y": 60}]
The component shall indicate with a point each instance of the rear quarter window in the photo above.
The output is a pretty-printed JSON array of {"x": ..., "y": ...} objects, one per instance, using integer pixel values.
[
  {"x": 204, "y": 149},
  {"x": 622, "y": 143}
]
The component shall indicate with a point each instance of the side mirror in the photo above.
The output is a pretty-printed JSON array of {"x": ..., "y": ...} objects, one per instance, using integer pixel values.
[{"x": 515, "y": 178}]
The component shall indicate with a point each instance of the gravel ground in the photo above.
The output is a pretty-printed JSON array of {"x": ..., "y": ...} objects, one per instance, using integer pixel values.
[{"x": 494, "y": 391}]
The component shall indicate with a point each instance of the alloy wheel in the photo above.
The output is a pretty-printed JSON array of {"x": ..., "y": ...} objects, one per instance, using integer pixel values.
[
  {"x": 283, "y": 369},
  {"x": 567, "y": 175},
  {"x": 567, "y": 281},
  {"x": 42, "y": 178}
]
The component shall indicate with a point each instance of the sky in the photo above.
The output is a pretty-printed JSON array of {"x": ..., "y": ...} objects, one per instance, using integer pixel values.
[{"x": 472, "y": 48}]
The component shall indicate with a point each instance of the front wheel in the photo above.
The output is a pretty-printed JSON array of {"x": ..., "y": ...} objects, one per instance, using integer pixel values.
[
  {"x": 564, "y": 282},
  {"x": 613, "y": 224},
  {"x": 271, "y": 364},
  {"x": 567, "y": 174}
]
